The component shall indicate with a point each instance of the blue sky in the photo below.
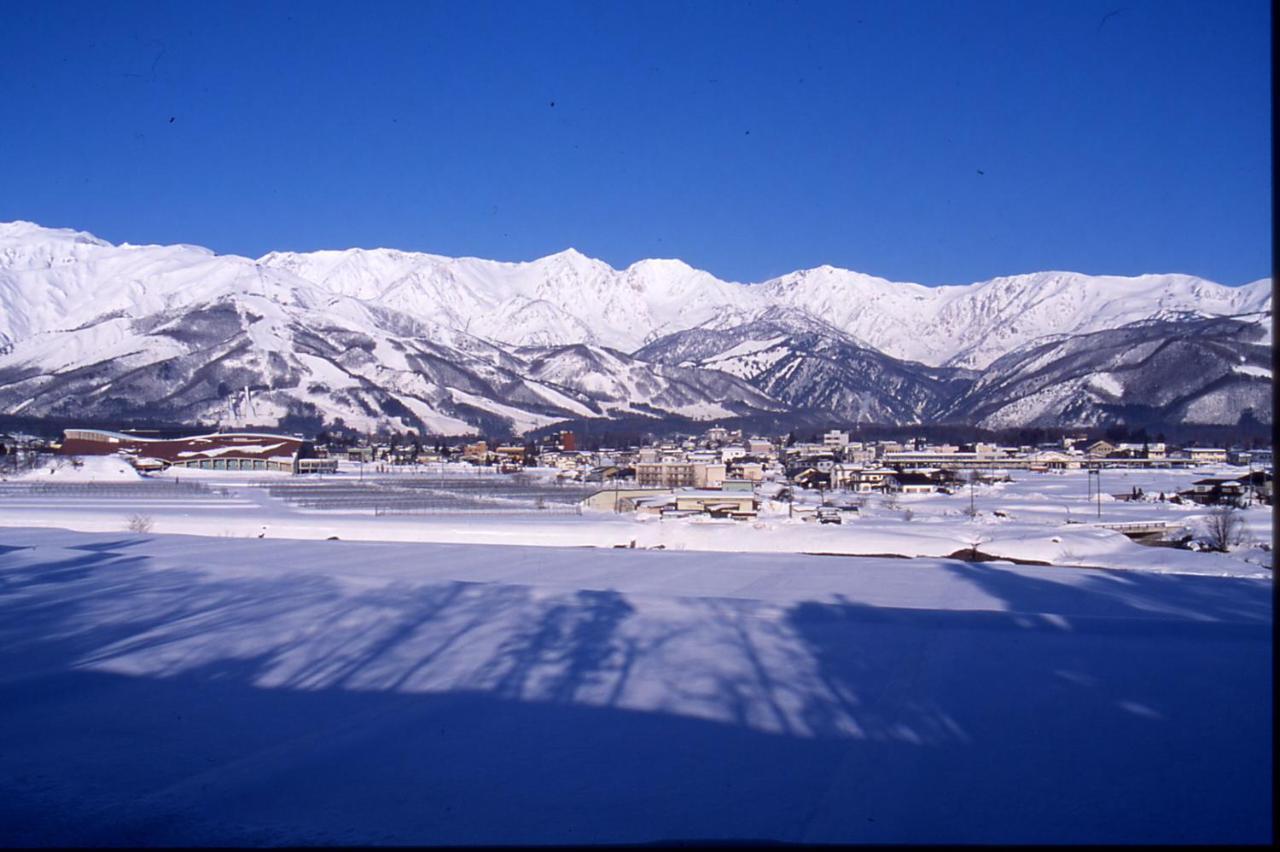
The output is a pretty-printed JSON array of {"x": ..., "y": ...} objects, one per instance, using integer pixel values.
[{"x": 939, "y": 142}]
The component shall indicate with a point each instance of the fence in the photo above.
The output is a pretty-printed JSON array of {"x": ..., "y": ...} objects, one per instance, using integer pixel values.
[
  {"x": 425, "y": 495},
  {"x": 154, "y": 490}
]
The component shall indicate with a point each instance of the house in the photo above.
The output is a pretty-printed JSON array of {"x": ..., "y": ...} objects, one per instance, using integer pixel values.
[
  {"x": 603, "y": 473},
  {"x": 860, "y": 455},
  {"x": 811, "y": 477},
  {"x": 911, "y": 483},
  {"x": 477, "y": 452},
  {"x": 1052, "y": 460},
  {"x": 511, "y": 453},
  {"x": 859, "y": 479},
  {"x": 821, "y": 463},
  {"x": 1100, "y": 449},
  {"x": 1239, "y": 456},
  {"x": 1215, "y": 491},
  {"x": 1259, "y": 483}
]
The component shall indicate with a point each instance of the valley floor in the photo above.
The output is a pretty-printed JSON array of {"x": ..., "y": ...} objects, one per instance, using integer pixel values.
[
  {"x": 1041, "y": 518},
  {"x": 175, "y": 689}
]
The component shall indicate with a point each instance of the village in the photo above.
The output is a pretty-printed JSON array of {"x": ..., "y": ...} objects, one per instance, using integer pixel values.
[{"x": 721, "y": 473}]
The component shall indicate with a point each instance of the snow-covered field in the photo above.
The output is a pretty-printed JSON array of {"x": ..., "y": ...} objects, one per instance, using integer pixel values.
[
  {"x": 1039, "y": 517},
  {"x": 171, "y": 689}
]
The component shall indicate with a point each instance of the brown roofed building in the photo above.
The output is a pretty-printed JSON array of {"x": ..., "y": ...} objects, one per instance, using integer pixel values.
[{"x": 218, "y": 451}]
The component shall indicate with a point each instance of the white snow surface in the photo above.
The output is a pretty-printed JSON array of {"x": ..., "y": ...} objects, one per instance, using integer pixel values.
[
  {"x": 86, "y": 469},
  {"x": 179, "y": 690},
  {"x": 1045, "y": 518}
]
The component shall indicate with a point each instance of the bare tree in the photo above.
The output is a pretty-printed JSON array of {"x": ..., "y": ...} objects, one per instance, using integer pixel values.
[
  {"x": 1224, "y": 528},
  {"x": 139, "y": 524}
]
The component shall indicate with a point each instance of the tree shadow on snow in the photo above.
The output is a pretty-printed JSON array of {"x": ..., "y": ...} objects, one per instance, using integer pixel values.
[{"x": 142, "y": 706}]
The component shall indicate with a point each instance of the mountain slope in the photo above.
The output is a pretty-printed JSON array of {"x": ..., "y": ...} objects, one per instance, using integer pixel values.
[
  {"x": 568, "y": 298},
  {"x": 812, "y": 366},
  {"x": 1192, "y": 370},
  {"x": 450, "y": 345},
  {"x": 368, "y": 367}
]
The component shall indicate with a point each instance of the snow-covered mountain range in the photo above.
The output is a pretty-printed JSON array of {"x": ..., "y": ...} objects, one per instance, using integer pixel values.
[{"x": 451, "y": 345}]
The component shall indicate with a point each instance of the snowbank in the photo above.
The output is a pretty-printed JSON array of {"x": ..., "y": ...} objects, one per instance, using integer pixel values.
[{"x": 84, "y": 469}]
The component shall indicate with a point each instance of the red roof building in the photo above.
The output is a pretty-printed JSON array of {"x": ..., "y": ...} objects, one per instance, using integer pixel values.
[{"x": 218, "y": 451}]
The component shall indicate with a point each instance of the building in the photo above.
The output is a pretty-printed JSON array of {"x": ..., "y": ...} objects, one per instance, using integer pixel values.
[
  {"x": 910, "y": 483},
  {"x": 656, "y": 474},
  {"x": 1100, "y": 449},
  {"x": 751, "y": 470},
  {"x": 720, "y": 504},
  {"x": 1052, "y": 460},
  {"x": 1215, "y": 491},
  {"x": 623, "y": 499},
  {"x": 835, "y": 438},
  {"x": 510, "y": 453},
  {"x": 216, "y": 451},
  {"x": 1206, "y": 455},
  {"x": 859, "y": 479}
]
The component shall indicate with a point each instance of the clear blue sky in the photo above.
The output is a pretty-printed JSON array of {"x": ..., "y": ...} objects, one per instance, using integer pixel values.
[{"x": 940, "y": 142}]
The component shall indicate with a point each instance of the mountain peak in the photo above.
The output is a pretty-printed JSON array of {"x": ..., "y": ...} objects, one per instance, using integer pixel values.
[
  {"x": 569, "y": 254},
  {"x": 20, "y": 229}
]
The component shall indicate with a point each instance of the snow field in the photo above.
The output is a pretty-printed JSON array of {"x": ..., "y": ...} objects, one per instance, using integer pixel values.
[
  {"x": 167, "y": 689},
  {"x": 1046, "y": 518}
]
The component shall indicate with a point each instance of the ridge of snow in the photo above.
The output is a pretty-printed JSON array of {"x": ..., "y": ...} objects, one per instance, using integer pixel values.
[{"x": 57, "y": 279}]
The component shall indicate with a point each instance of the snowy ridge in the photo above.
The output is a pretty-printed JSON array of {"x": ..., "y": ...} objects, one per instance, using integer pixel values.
[{"x": 386, "y": 337}]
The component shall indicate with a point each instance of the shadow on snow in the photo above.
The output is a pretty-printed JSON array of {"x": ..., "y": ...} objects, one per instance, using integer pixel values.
[{"x": 142, "y": 706}]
